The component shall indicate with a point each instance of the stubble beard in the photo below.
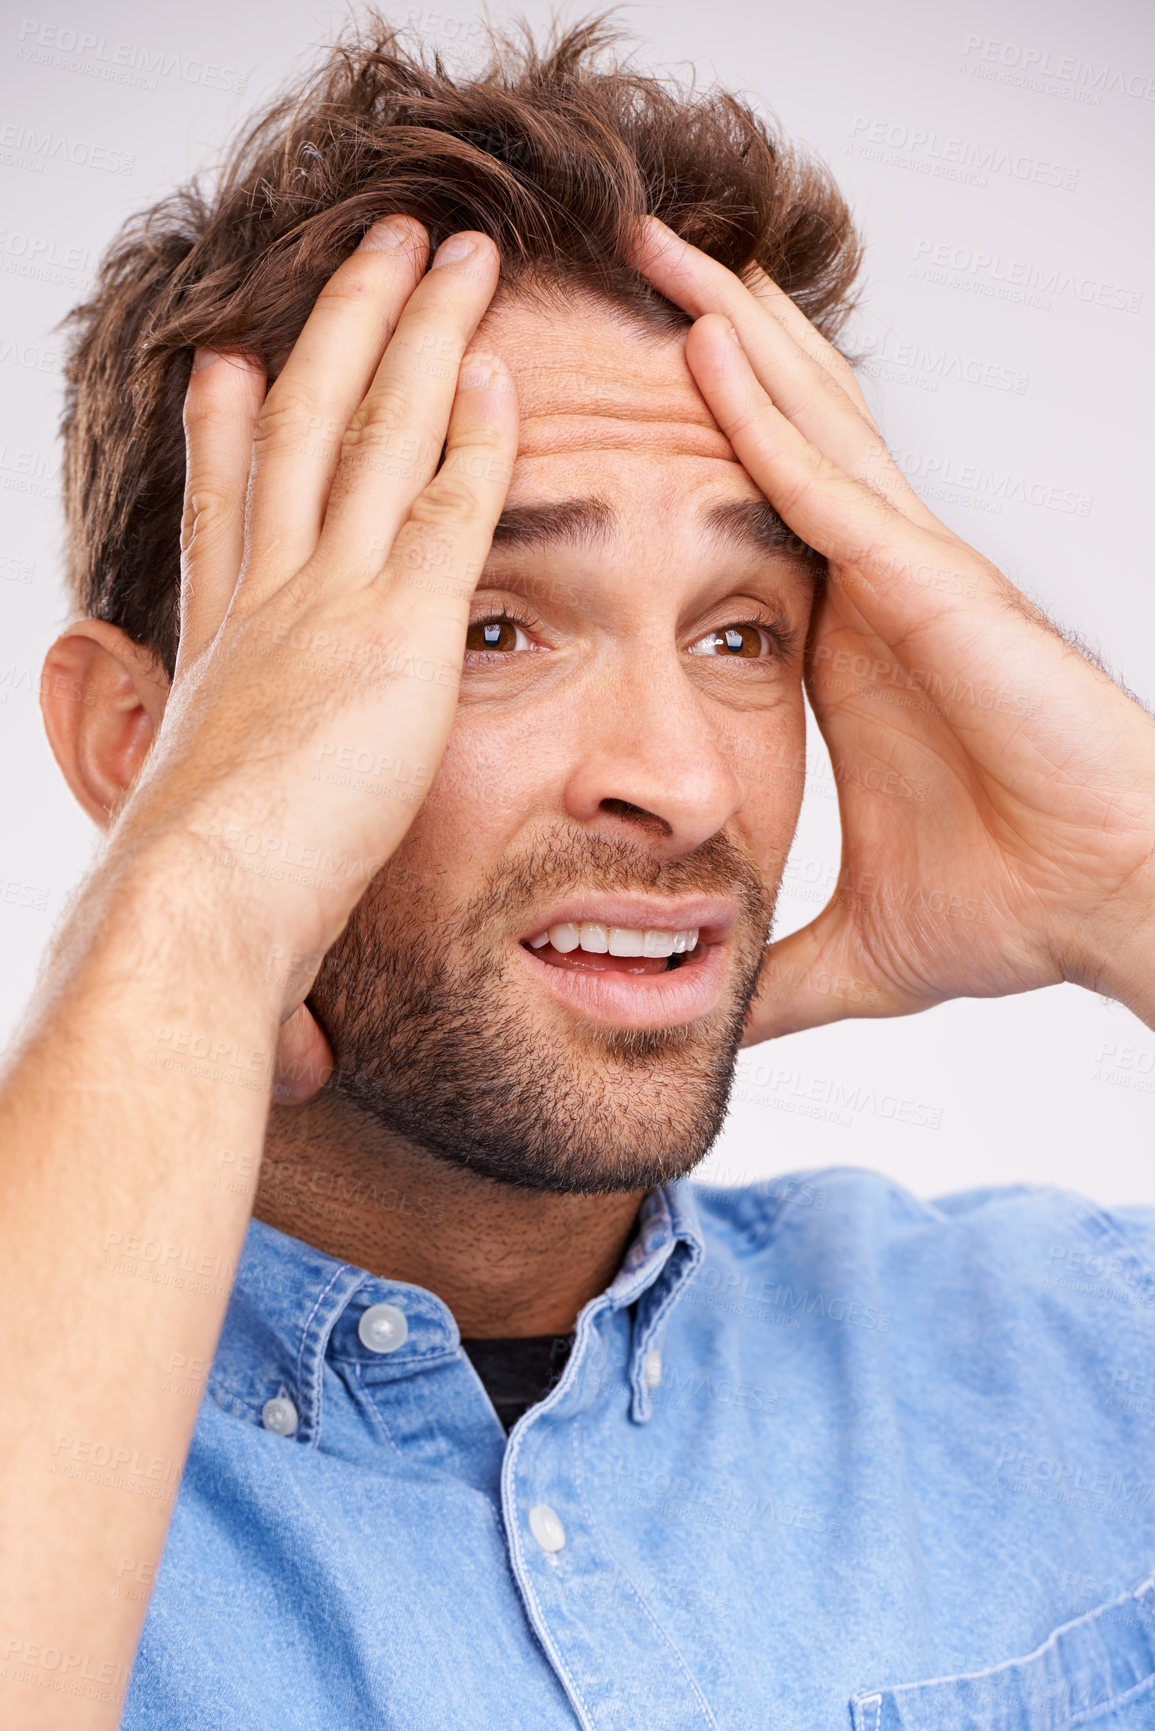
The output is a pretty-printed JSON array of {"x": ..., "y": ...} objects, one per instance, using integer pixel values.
[{"x": 431, "y": 1039}]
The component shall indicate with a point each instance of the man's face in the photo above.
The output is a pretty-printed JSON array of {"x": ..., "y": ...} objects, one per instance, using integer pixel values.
[{"x": 626, "y": 758}]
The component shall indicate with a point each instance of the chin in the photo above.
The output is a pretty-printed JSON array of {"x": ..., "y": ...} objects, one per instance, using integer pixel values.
[
  {"x": 585, "y": 1108},
  {"x": 558, "y": 1038}
]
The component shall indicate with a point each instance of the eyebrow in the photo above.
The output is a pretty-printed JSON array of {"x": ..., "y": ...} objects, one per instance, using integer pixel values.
[
  {"x": 745, "y": 523},
  {"x": 585, "y": 522}
]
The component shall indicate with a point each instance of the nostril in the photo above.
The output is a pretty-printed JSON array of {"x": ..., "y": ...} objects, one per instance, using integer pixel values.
[{"x": 637, "y": 815}]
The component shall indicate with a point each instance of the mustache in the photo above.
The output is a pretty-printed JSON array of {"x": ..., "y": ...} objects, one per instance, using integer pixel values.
[{"x": 572, "y": 861}]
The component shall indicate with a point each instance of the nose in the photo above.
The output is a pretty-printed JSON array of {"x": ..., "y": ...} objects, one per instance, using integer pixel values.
[{"x": 647, "y": 762}]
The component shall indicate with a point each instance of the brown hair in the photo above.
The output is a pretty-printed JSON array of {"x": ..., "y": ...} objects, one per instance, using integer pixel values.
[{"x": 548, "y": 150}]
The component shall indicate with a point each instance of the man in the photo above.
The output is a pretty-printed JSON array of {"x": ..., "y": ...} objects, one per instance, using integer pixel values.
[{"x": 458, "y": 765}]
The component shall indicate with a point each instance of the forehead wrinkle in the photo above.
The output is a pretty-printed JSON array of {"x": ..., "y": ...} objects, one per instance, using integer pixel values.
[
  {"x": 551, "y": 389},
  {"x": 547, "y": 392},
  {"x": 544, "y": 435},
  {"x": 585, "y": 381}
]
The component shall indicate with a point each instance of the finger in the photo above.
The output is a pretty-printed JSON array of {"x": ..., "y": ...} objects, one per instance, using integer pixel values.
[
  {"x": 808, "y": 338},
  {"x": 304, "y": 1059},
  {"x": 440, "y": 552},
  {"x": 811, "y": 381},
  {"x": 396, "y": 436},
  {"x": 299, "y": 432},
  {"x": 813, "y": 978},
  {"x": 700, "y": 284},
  {"x": 886, "y": 556},
  {"x": 220, "y": 412}
]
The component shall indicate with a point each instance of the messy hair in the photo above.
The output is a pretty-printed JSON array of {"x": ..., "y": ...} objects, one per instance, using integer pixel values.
[{"x": 555, "y": 151}]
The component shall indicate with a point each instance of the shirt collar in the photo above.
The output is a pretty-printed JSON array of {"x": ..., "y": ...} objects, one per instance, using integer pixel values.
[
  {"x": 667, "y": 1249},
  {"x": 289, "y": 1298}
]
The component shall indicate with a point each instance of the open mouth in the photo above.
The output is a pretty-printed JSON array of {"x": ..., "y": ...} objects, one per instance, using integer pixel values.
[
  {"x": 627, "y": 970},
  {"x": 601, "y": 949}
]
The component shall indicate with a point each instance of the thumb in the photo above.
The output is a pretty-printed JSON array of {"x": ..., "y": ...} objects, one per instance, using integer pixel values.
[{"x": 815, "y": 976}]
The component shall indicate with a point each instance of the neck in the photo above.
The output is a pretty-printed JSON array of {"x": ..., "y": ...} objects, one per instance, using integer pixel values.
[{"x": 507, "y": 1262}]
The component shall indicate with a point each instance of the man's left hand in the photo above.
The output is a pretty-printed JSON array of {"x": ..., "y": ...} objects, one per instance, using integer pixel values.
[{"x": 996, "y": 789}]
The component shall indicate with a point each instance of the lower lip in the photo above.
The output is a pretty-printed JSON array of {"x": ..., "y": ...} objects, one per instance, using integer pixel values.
[{"x": 667, "y": 1000}]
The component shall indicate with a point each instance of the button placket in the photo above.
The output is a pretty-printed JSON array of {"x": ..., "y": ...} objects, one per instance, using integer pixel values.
[{"x": 590, "y": 1619}]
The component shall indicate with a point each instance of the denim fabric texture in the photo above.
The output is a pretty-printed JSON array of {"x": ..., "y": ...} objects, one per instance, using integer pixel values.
[{"x": 824, "y": 1455}]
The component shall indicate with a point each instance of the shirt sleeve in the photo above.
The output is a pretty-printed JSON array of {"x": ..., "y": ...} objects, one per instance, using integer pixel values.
[{"x": 1137, "y": 1222}]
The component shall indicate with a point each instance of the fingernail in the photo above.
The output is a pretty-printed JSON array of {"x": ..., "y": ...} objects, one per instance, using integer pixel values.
[
  {"x": 204, "y": 358},
  {"x": 383, "y": 234},
  {"x": 734, "y": 337},
  {"x": 456, "y": 247}
]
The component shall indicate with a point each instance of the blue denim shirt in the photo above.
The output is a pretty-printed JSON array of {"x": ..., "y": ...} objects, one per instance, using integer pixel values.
[{"x": 823, "y": 1455}]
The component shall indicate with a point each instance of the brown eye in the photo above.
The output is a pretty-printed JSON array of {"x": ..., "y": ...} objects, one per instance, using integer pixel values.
[
  {"x": 489, "y": 636},
  {"x": 748, "y": 642}
]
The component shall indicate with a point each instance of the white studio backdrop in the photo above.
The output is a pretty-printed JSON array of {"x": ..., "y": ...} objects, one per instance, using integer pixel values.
[{"x": 999, "y": 159}]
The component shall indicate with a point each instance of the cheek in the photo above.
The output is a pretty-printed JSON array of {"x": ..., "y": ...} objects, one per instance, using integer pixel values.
[
  {"x": 769, "y": 758},
  {"x": 494, "y": 777}
]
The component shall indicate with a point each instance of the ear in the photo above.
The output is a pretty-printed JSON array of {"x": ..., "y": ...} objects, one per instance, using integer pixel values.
[{"x": 102, "y": 697}]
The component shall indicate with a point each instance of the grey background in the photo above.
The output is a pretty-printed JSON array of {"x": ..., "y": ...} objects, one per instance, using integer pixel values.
[{"x": 999, "y": 158}]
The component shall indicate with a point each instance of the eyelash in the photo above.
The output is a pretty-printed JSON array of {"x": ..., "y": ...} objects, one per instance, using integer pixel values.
[
  {"x": 773, "y": 624},
  {"x": 508, "y": 616},
  {"x": 775, "y": 627}
]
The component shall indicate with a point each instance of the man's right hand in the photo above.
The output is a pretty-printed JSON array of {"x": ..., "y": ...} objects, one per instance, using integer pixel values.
[
  {"x": 327, "y": 570},
  {"x": 329, "y": 559}
]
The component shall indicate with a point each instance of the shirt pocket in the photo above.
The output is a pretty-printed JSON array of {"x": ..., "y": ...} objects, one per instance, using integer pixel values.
[{"x": 1098, "y": 1672}]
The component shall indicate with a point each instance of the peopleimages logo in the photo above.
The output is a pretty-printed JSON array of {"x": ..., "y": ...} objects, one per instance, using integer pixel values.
[
  {"x": 137, "y": 64},
  {"x": 925, "y": 367},
  {"x": 1034, "y": 68},
  {"x": 989, "y": 489},
  {"x": 989, "y": 273},
  {"x": 926, "y": 151},
  {"x": 25, "y": 147}
]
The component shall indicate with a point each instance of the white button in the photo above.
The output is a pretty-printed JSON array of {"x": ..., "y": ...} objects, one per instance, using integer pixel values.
[
  {"x": 652, "y": 1368},
  {"x": 279, "y": 1415},
  {"x": 546, "y": 1527},
  {"x": 382, "y": 1328}
]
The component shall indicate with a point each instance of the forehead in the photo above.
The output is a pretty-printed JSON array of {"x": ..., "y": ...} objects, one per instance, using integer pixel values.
[{"x": 607, "y": 405}]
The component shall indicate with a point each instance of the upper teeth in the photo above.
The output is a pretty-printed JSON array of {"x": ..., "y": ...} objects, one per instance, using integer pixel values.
[{"x": 617, "y": 940}]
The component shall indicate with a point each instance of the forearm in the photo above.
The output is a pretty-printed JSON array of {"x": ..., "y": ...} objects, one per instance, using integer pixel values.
[{"x": 142, "y": 1078}]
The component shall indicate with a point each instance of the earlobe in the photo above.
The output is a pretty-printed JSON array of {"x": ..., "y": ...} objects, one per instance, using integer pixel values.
[{"x": 102, "y": 697}]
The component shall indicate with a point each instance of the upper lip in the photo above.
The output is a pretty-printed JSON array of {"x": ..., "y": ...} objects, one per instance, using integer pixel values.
[{"x": 710, "y": 917}]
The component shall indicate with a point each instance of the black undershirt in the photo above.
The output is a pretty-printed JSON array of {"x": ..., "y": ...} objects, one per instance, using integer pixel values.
[{"x": 516, "y": 1374}]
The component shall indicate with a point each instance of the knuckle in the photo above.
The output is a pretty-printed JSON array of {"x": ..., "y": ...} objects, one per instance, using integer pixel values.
[
  {"x": 485, "y": 438},
  {"x": 207, "y": 508},
  {"x": 450, "y": 503},
  {"x": 286, "y": 415},
  {"x": 742, "y": 421},
  {"x": 377, "y": 421},
  {"x": 792, "y": 494},
  {"x": 813, "y": 475},
  {"x": 204, "y": 409},
  {"x": 353, "y": 281}
]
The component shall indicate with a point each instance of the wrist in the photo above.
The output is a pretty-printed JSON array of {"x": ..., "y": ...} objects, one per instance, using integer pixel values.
[
  {"x": 1121, "y": 962},
  {"x": 155, "y": 918}
]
